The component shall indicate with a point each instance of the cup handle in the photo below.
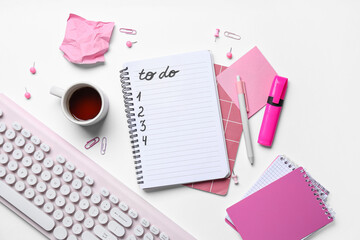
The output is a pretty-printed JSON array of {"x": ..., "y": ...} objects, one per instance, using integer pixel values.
[{"x": 56, "y": 91}]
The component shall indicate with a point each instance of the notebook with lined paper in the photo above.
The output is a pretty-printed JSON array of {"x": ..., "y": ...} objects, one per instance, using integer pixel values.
[{"x": 175, "y": 119}]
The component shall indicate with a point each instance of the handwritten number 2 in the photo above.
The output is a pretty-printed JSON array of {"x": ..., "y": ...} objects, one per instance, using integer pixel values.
[{"x": 141, "y": 111}]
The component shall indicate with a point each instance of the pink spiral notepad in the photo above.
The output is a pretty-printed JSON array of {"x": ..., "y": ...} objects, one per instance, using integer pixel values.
[{"x": 289, "y": 208}]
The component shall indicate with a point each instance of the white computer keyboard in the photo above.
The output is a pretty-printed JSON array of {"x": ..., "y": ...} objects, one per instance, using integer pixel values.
[{"x": 64, "y": 194}]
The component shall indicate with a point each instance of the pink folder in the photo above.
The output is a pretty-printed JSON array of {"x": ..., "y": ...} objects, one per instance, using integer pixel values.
[{"x": 286, "y": 209}]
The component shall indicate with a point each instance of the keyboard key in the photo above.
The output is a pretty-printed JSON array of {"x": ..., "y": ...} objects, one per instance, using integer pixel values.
[
  {"x": 60, "y": 201},
  {"x": 1, "y": 113},
  {"x": 26, "y": 207},
  {"x": 29, "y": 193},
  {"x": 86, "y": 191},
  {"x": 17, "y": 154},
  {"x": 31, "y": 180},
  {"x": 89, "y": 223},
  {"x": 164, "y": 236},
  {"x": 88, "y": 236},
  {"x": 123, "y": 206},
  {"x": 65, "y": 190},
  {"x": 26, "y": 161},
  {"x": 4, "y": 158},
  {"x": 45, "y": 147},
  {"x": 131, "y": 237},
  {"x": 93, "y": 211},
  {"x": 16, "y": 126},
  {"x": 145, "y": 222},
  {"x": 13, "y": 165},
  {"x": 148, "y": 236},
  {"x": 48, "y": 207},
  {"x": 103, "y": 234},
  {"x": 19, "y": 141},
  {"x": 74, "y": 197},
  {"x": 77, "y": 229},
  {"x": 41, "y": 187},
  {"x": 70, "y": 166},
  {"x": 80, "y": 174},
  {"x": 71, "y": 237},
  {"x": 69, "y": 208},
  {"x": 39, "y": 200},
  {"x": 2, "y": 172},
  {"x": 105, "y": 205},
  {"x": 8, "y": 147},
  {"x": 154, "y": 230},
  {"x": 67, "y": 177},
  {"x": 29, "y": 148},
  {"x": 133, "y": 213},
  {"x": 60, "y": 233},
  {"x": 55, "y": 183},
  {"x": 114, "y": 199},
  {"x": 116, "y": 228},
  {"x": 45, "y": 175},
  {"x": 58, "y": 214},
  {"x": 10, "y": 179},
  {"x": 26, "y": 133},
  {"x": 60, "y": 159},
  {"x": 77, "y": 184},
  {"x": 84, "y": 204},
  {"x": 51, "y": 194},
  {"x": 48, "y": 163},
  {"x": 121, "y": 217},
  {"x": 10, "y": 134},
  {"x": 1, "y": 140},
  {"x": 36, "y": 168},
  {"x": 58, "y": 170},
  {"x": 35, "y": 140},
  {"x": 96, "y": 198},
  {"x": 105, "y": 192},
  {"x": 89, "y": 180},
  {"x": 20, "y": 186},
  {"x": 2, "y": 127},
  {"x": 67, "y": 221},
  {"x": 39, "y": 155},
  {"x": 138, "y": 230},
  {"x": 79, "y": 215},
  {"x": 103, "y": 218}
]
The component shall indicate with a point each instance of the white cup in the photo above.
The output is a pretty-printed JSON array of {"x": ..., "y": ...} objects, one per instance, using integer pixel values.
[{"x": 65, "y": 96}]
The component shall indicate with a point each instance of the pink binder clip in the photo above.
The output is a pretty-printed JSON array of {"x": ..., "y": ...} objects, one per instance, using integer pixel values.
[{"x": 89, "y": 144}]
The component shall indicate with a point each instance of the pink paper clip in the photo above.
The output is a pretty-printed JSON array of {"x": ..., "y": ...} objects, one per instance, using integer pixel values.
[
  {"x": 232, "y": 35},
  {"x": 103, "y": 145},
  {"x": 89, "y": 144},
  {"x": 128, "y": 31}
]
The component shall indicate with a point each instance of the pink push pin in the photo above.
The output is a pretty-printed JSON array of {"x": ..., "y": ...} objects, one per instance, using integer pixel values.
[
  {"x": 235, "y": 178},
  {"x": 27, "y": 94},
  {"x": 216, "y": 35},
  {"x": 32, "y": 69},
  {"x": 129, "y": 44},
  {"x": 229, "y": 54}
]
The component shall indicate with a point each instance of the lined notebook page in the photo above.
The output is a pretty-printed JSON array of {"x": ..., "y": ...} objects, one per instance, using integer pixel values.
[{"x": 178, "y": 119}]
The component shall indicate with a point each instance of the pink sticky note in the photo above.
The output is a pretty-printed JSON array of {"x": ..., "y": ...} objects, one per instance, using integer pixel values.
[
  {"x": 86, "y": 41},
  {"x": 256, "y": 72}
]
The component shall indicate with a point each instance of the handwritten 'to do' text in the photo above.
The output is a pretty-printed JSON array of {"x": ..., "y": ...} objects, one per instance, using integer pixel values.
[{"x": 164, "y": 74}]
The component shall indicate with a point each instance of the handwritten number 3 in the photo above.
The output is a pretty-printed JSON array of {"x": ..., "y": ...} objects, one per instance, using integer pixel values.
[{"x": 143, "y": 126}]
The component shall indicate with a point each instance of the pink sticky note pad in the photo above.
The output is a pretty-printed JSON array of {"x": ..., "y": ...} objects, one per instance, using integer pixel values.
[
  {"x": 85, "y": 41},
  {"x": 256, "y": 72}
]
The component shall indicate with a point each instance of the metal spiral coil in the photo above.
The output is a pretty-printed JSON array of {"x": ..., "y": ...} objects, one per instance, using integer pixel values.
[{"x": 130, "y": 114}]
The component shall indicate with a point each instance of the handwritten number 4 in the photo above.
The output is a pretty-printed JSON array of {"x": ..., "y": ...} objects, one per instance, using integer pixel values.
[{"x": 144, "y": 138}]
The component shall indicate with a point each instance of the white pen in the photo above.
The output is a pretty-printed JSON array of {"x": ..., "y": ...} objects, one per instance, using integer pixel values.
[{"x": 244, "y": 119}]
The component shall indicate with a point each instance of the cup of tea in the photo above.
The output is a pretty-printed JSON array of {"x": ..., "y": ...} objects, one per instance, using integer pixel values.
[{"x": 82, "y": 103}]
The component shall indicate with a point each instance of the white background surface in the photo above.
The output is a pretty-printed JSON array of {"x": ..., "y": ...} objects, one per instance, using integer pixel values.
[{"x": 313, "y": 43}]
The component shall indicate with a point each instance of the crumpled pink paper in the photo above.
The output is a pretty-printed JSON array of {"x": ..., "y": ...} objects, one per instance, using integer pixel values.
[{"x": 86, "y": 41}]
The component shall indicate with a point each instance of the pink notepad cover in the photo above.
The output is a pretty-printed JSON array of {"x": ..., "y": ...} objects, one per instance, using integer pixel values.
[
  {"x": 258, "y": 75},
  {"x": 286, "y": 209}
]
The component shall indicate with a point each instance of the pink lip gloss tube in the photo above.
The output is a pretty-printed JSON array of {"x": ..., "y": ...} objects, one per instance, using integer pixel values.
[{"x": 272, "y": 111}]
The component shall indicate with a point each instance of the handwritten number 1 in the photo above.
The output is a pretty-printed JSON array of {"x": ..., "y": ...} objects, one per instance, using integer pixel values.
[{"x": 139, "y": 96}]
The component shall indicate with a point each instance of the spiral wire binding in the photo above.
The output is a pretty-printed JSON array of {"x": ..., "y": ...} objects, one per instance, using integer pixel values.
[
  {"x": 288, "y": 162},
  {"x": 328, "y": 211},
  {"x": 130, "y": 114}
]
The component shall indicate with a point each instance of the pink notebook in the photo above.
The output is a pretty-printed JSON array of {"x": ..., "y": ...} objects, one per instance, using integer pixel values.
[{"x": 284, "y": 210}]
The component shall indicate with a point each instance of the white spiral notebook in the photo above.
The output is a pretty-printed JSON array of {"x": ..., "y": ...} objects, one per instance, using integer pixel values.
[{"x": 175, "y": 119}]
